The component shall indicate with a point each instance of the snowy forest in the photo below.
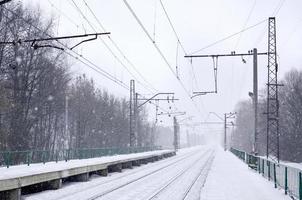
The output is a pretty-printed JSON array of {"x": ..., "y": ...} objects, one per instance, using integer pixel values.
[
  {"x": 38, "y": 93},
  {"x": 290, "y": 102}
]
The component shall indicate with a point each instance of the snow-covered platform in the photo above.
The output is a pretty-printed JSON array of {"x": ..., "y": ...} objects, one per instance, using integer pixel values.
[
  {"x": 231, "y": 179},
  {"x": 51, "y": 174}
]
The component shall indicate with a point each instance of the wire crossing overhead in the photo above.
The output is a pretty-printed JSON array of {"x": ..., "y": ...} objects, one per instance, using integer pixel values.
[
  {"x": 160, "y": 53},
  {"x": 86, "y": 62},
  {"x": 115, "y": 56},
  {"x": 228, "y": 37},
  {"x": 4, "y": 2},
  {"x": 149, "y": 85},
  {"x": 179, "y": 43}
]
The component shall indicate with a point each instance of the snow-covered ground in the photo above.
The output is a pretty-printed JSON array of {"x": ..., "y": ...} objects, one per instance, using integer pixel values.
[
  {"x": 24, "y": 170},
  {"x": 230, "y": 179},
  {"x": 205, "y": 172},
  {"x": 138, "y": 183}
]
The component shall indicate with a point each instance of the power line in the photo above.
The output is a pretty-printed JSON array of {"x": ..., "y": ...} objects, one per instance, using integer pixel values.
[
  {"x": 118, "y": 48},
  {"x": 75, "y": 23},
  {"x": 274, "y": 14},
  {"x": 126, "y": 86},
  {"x": 106, "y": 45},
  {"x": 159, "y": 51},
  {"x": 228, "y": 37},
  {"x": 244, "y": 79},
  {"x": 246, "y": 21},
  {"x": 178, "y": 39},
  {"x": 278, "y": 8},
  {"x": 60, "y": 11},
  {"x": 78, "y": 56}
]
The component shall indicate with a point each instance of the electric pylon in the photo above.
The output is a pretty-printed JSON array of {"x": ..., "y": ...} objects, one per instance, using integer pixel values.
[{"x": 272, "y": 134}]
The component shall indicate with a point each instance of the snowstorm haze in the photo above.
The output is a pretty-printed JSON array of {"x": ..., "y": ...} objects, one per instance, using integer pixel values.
[
  {"x": 197, "y": 24},
  {"x": 150, "y": 99}
]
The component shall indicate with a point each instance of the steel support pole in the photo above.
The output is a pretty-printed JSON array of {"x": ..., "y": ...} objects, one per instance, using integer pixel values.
[
  {"x": 175, "y": 133},
  {"x": 132, "y": 113},
  {"x": 255, "y": 99},
  {"x": 225, "y": 130}
]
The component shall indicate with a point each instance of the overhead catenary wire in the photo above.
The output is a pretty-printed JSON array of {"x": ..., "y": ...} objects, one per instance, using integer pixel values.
[
  {"x": 160, "y": 53},
  {"x": 105, "y": 43},
  {"x": 274, "y": 14},
  {"x": 118, "y": 48},
  {"x": 178, "y": 40},
  {"x": 79, "y": 57},
  {"x": 125, "y": 86},
  {"x": 108, "y": 48},
  {"x": 66, "y": 16},
  {"x": 154, "y": 22},
  {"x": 243, "y": 79},
  {"x": 228, "y": 37},
  {"x": 76, "y": 55}
]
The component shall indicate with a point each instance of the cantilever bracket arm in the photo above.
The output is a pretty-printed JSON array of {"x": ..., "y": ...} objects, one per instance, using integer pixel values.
[
  {"x": 146, "y": 101},
  {"x": 34, "y": 41},
  {"x": 172, "y": 113},
  {"x": 95, "y": 37},
  {"x": 195, "y": 94},
  {"x": 4, "y": 2},
  {"x": 36, "y": 46}
]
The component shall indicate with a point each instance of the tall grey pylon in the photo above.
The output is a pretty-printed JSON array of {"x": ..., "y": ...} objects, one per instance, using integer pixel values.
[{"x": 272, "y": 135}]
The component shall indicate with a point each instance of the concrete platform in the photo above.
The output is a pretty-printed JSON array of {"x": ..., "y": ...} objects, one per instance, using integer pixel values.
[{"x": 11, "y": 183}]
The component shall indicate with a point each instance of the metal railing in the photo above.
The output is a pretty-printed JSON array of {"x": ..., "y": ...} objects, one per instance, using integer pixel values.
[
  {"x": 10, "y": 158},
  {"x": 284, "y": 176}
]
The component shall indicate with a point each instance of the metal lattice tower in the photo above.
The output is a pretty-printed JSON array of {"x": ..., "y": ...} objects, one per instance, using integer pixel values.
[
  {"x": 272, "y": 137},
  {"x": 132, "y": 113}
]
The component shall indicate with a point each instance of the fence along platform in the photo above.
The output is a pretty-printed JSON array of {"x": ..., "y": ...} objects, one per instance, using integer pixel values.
[{"x": 286, "y": 177}]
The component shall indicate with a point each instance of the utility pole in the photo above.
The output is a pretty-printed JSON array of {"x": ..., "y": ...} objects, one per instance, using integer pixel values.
[
  {"x": 67, "y": 145},
  {"x": 255, "y": 55},
  {"x": 255, "y": 99},
  {"x": 136, "y": 120},
  {"x": 132, "y": 114},
  {"x": 226, "y": 117},
  {"x": 272, "y": 112},
  {"x": 225, "y": 134},
  {"x": 176, "y": 128},
  {"x": 156, "y": 99},
  {"x": 134, "y": 108}
]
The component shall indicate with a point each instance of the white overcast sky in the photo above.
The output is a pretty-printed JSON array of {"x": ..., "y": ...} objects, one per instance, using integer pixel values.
[{"x": 198, "y": 24}]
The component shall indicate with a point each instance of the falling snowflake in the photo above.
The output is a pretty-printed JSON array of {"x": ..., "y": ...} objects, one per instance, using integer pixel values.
[
  {"x": 18, "y": 60},
  {"x": 50, "y": 98}
]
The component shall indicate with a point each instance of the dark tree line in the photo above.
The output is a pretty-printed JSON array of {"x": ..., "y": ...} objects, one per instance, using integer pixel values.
[
  {"x": 290, "y": 101},
  {"x": 42, "y": 106}
]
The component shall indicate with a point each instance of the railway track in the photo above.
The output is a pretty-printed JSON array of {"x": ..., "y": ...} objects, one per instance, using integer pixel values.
[
  {"x": 103, "y": 194},
  {"x": 90, "y": 187},
  {"x": 167, "y": 185}
]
